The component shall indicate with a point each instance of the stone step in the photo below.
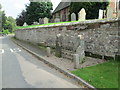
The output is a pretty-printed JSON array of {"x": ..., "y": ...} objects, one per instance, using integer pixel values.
[
  {"x": 67, "y": 54},
  {"x": 67, "y": 51}
]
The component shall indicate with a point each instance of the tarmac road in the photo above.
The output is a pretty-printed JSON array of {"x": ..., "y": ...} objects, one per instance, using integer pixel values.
[{"x": 19, "y": 69}]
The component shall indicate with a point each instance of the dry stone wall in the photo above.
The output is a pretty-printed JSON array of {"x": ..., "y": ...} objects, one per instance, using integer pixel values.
[{"x": 100, "y": 36}]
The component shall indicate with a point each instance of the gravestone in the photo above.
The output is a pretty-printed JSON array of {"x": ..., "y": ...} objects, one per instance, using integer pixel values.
[
  {"x": 104, "y": 13},
  {"x": 51, "y": 20},
  {"x": 82, "y": 15},
  {"x": 40, "y": 20},
  {"x": 46, "y": 20},
  {"x": 57, "y": 20},
  {"x": 35, "y": 23},
  {"x": 109, "y": 12},
  {"x": 73, "y": 17},
  {"x": 25, "y": 24},
  {"x": 101, "y": 14}
]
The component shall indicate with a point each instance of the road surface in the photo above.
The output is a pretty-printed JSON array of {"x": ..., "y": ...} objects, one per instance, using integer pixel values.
[{"x": 22, "y": 70}]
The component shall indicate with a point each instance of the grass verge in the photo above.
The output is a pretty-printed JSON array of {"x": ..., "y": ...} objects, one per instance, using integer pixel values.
[
  {"x": 32, "y": 26},
  {"x": 102, "y": 75}
]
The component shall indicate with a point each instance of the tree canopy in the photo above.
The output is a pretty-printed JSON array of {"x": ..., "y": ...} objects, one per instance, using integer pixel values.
[
  {"x": 0, "y": 18},
  {"x": 92, "y": 8},
  {"x": 6, "y": 23},
  {"x": 21, "y": 18},
  {"x": 0, "y": 7},
  {"x": 10, "y": 24},
  {"x": 34, "y": 11}
]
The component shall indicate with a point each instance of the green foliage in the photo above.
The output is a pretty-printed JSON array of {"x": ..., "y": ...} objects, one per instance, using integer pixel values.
[
  {"x": 21, "y": 18},
  {"x": 5, "y": 32},
  {"x": 37, "y": 10},
  {"x": 0, "y": 7},
  {"x": 102, "y": 75},
  {"x": 34, "y": 11},
  {"x": 12, "y": 24},
  {"x": 4, "y": 18},
  {"x": 92, "y": 8},
  {"x": 32, "y": 26},
  {"x": 7, "y": 23},
  {"x": 0, "y": 18}
]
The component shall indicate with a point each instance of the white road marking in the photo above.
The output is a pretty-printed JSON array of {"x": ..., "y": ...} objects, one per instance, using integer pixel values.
[
  {"x": 11, "y": 50},
  {"x": 15, "y": 50},
  {"x": 1, "y": 51},
  {"x": 2, "y": 37}
]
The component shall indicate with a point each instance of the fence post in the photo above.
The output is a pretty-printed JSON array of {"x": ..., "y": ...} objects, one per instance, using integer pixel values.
[
  {"x": 76, "y": 61},
  {"x": 81, "y": 50},
  {"x": 48, "y": 51},
  {"x": 58, "y": 45}
]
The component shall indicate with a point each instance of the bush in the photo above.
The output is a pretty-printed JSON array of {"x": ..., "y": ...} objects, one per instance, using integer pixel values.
[{"x": 5, "y": 32}]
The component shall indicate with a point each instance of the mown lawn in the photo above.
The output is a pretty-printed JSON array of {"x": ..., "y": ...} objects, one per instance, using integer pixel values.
[
  {"x": 102, "y": 75},
  {"x": 32, "y": 26}
]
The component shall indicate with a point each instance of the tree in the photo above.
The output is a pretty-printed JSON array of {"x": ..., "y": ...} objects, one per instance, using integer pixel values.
[
  {"x": 3, "y": 19},
  {"x": 36, "y": 10},
  {"x": 10, "y": 24},
  {"x": 21, "y": 18},
  {"x": 0, "y": 18},
  {"x": 0, "y": 7},
  {"x": 5, "y": 31},
  {"x": 6, "y": 23},
  {"x": 92, "y": 8}
]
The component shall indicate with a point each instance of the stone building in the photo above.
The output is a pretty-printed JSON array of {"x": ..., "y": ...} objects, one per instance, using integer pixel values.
[
  {"x": 115, "y": 5},
  {"x": 62, "y": 10}
]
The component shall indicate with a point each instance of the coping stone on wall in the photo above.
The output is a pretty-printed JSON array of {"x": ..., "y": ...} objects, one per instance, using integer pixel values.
[{"x": 74, "y": 23}]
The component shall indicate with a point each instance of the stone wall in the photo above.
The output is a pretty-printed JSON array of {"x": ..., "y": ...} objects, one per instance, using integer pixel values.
[{"x": 100, "y": 36}]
